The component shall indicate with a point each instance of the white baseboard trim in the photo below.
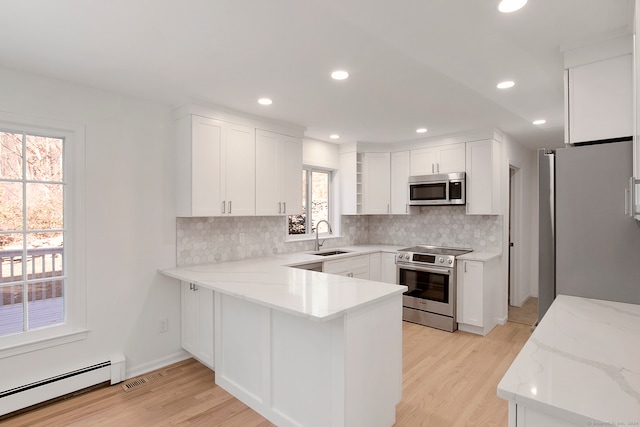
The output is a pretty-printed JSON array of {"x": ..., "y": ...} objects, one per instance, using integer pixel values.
[
  {"x": 502, "y": 320},
  {"x": 160, "y": 363}
]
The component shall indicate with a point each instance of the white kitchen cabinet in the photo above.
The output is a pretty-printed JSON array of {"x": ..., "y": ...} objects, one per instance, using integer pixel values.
[
  {"x": 375, "y": 267},
  {"x": 278, "y": 174},
  {"x": 353, "y": 266},
  {"x": 483, "y": 177},
  {"x": 215, "y": 167},
  {"x": 440, "y": 159},
  {"x": 376, "y": 183},
  {"x": 400, "y": 170},
  {"x": 599, "y": 100},
  {"x": 388, "y": 268},
  {"x": 477, "y": 295},
  {"x": 197, "y": 329}
]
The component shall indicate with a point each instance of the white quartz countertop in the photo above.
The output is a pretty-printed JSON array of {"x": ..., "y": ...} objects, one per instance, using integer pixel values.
[
  {"x": 479, "y": 256},
  {"x": 581, "y": 364},
  {"x": 270, "y": 281}
]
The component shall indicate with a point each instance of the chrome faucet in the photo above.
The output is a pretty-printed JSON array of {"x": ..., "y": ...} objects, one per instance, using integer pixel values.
[{"x": 318, "y": 244}]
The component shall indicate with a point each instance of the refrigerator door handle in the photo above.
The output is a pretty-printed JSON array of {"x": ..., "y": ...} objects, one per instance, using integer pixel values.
[
  {"x": 632, "y": 190},
  {"x": 626, "y": 201}
]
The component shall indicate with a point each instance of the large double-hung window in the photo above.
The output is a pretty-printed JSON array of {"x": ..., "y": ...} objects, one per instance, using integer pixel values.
[{"x": 41, "y": 285}]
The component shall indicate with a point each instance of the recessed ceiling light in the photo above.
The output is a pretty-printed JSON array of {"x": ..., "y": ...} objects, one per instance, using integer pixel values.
[
  {"x": 265, "y": 101},
  {"x": 505, "y": 85},
  {"x": 421, "y": 130},
  {"x": 334, "y": 136},
  {"x": 539, "y": 122},
  {"x": 508, "y": 6},
  {"x": 339, "y": 75}
]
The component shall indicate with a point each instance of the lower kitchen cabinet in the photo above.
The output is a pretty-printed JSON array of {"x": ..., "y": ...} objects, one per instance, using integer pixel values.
[
  {"x": 388, "y": 268},
  {"x": 477, "y": 295},
  {"x": 196, "y": 307},
  {"x": 354, "y": 266},
  {"x": 375, "y": 267}
]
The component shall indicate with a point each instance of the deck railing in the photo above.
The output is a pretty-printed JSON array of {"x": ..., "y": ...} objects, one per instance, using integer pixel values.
[{"x": 40, "y": 263}]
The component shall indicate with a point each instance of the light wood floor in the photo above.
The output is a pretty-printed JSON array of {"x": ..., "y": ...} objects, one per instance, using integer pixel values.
[
  {"x": 527, "y": 314},
  {"x": 449, "y": 380}
]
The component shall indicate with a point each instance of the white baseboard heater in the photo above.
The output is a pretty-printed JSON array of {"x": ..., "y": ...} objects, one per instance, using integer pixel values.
[{"x": 27, "y": 395}]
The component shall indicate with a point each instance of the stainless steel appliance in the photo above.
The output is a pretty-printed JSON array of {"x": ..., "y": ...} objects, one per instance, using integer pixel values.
[
  {"x": 430, "y": 274},
  {"x": 588, "y": 244},
  {"x": 439, "y": 189}
]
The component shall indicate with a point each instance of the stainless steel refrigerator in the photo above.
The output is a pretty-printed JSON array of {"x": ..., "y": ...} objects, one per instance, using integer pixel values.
[{"x": 589, "y": 246}]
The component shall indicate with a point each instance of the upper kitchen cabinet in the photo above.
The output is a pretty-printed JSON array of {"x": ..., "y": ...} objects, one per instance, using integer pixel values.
[
  {"x": 278, "y": 174},
  {"x": 483, "y": 177},
  {"x": 440, "y": 159},
  {"x": 376, "y": 183},
  {"x": 400, "y": 169},
  {"x": 599, "y": 92},
  {"x": 215, "y": 167}
]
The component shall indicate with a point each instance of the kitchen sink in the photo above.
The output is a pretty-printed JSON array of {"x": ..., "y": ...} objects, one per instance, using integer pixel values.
[{"x": 327, "y": 253}]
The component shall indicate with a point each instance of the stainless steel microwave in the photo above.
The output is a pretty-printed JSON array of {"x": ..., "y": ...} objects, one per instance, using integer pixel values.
[{"x": 440, "y": 189}]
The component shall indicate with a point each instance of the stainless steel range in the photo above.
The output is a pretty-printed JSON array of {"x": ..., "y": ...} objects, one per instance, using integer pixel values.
[{"x": 430, "y": 274}]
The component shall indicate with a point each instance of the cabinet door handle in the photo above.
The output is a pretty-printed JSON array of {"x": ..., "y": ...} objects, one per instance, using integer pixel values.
[
  {"x": 224, "y": 207},
  {"x": 465, "y": 266},
  {"x": 284, "y": 207},
  {"x": 279, "y": 207},
  {"x": 388, "y": 208},
  {"x": 438, "y": 167},
  {"x": 433, "y": 168},
  {"x": 229, "y": 206}
]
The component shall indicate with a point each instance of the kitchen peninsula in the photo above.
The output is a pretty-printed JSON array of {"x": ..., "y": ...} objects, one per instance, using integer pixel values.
[
  {"x": 304, "y": 348},
  {"x": 579, "y": 368}
]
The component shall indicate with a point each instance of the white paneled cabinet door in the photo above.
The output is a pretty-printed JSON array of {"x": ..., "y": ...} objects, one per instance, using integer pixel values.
[
  {"x": 600, "y": 100},
  {"x": 376, "y": 183},
  {"x": 240, "y": 170},
  {"x": 278, "y": 174},
  {"x": 291, "y": 161},
  {"x": 423, "y": 161},
  {"x": 388, "y": 268},
  {"x": 268, "y": 174},
  {"x": 451, "y": 158},
  {"x": 470, "y": 308},
  {"x": 375, "y": 261},
  {"x": 197, "y": 330},
  {"x": 201, "y": 193},
  {"x": 400, "y": 170},
  {"x": 483, "y": 177}
]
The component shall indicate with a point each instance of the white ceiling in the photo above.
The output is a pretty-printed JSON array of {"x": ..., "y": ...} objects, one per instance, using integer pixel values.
[{"x": 413, "y": 63}]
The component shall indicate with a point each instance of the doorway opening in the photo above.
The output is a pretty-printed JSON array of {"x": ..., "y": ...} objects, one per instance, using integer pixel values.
[{"x": 523, "y": 308}]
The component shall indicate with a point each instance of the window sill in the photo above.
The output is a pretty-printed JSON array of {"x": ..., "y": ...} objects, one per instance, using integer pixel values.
[
  {"x": 310, "y": 238},
  {"x": 33, "y": 343}
]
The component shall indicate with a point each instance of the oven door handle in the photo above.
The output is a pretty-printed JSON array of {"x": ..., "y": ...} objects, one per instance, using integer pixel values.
[{"x": 437, "y": 270}]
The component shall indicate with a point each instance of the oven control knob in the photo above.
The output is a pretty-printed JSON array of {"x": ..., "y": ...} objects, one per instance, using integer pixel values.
[
  {"x": 450, "y": 261},
  {"x": 406, "y": 256},
  {"x": 440, "y": 260}
]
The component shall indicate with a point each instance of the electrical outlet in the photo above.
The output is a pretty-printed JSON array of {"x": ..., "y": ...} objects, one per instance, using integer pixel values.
[
  {"x": 163, "y": 325},
  {"x": 476, "y": 233}
]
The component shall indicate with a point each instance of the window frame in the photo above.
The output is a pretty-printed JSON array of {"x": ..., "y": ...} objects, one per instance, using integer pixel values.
[
  {"x": 74, "y": 328},
  {"x": 309, "y": 234}
]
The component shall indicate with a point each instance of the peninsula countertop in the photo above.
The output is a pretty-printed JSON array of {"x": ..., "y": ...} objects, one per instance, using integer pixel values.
[
  {"x": 270, "y": 281},
  {"x": 581, "y": 364}
]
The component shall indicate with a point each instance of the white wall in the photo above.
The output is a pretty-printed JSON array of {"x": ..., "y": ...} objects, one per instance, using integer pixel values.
[
  {"x": 130, "y": 227},
  {"x": 320, "y": 154}
]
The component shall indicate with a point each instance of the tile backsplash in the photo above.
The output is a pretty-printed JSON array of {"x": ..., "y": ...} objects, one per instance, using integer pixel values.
[{"x": 205, "y": 240}]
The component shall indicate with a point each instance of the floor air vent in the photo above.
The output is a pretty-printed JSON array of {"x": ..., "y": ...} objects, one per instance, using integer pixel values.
[{"x": 141, "y": 381}]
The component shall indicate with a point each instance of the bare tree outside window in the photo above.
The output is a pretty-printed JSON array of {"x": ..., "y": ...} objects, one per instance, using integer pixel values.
[
  {"x": 31, "y": 231},
  {"x": 315, "y": 203}
]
